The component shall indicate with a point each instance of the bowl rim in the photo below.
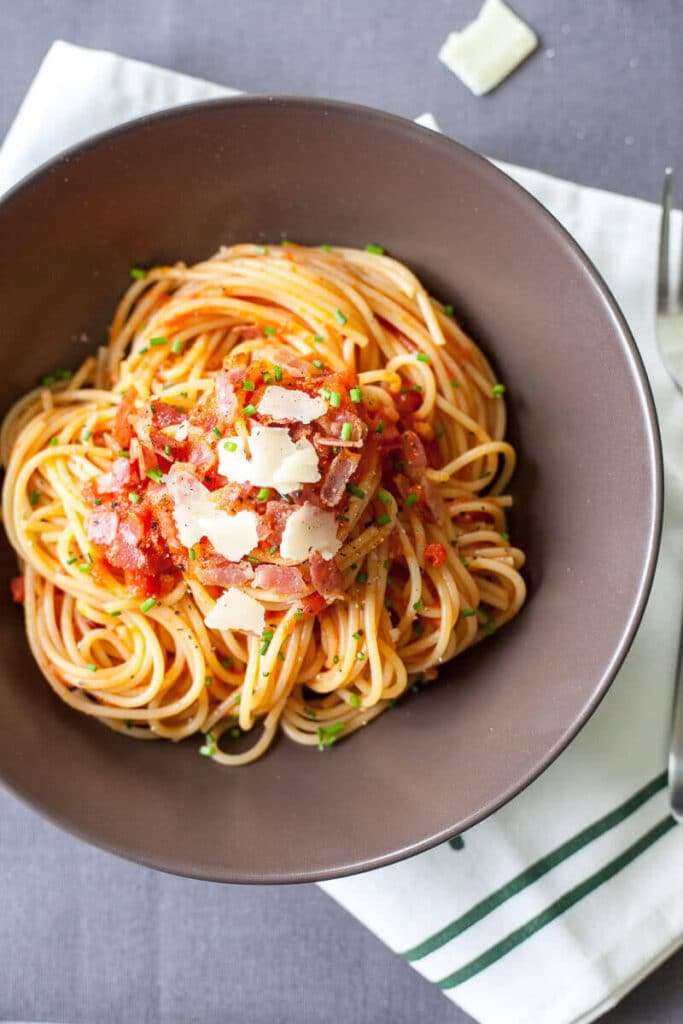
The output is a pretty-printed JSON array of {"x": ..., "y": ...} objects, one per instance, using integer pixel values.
[{"x": 484, "y": 167}]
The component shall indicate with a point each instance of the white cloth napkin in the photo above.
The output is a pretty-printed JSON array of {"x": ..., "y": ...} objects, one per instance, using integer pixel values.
[{"x": 568, "y": 896}]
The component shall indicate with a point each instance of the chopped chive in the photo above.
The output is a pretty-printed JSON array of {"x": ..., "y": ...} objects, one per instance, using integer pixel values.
[
  {"x": 158, "y": 341},
  {"x": 64, "y": 374},
  {"x": 115, "y": 614},
  {"x": 360, "y": 656},
  {"x": 167, "y": 451},
  {"x": 318, "y": 363},
  {"x": 86, "y": 434},
  {"x": 362, "y": 577},
  {"x": 384, "y": 496},
  {"x": 155, "y": 474},
  {"x": 418, "y": 627},
  {"x": 465, "y": 562},
  {"x": 392, "y": 704},
  {"x": 267, "y": 376},
  {"x": 70, "y": 561},
  {"x": 386, "y": 563},
  {"x": 273, "y": 550},
  {"x": 48, "y": 381},
  {"x": 208, "y": 681},
  {"x": 355, "y": 394},
  {"x": 354, "y": 700},
  {"x": 277, "y": 370},
  {"x": 355, "y": 491},
  {"x": 147, "y": 605},
  {"x": 34, "y": 498},
  {"x": 123, "y": 453},
  {"x": 260, "y": 250},
  {"x": 448, "y": 310},
  {"x": 326, "y": 248},
  {"x": 412, "y": 499},
  {"x": 248, "y": 385},
  {"x": 298, "y": 614},
  {"x": 91, "y": 667},
  {"x": 358, "y": 634},
  {"x": 253, "y": 560},
  {"x": 193, "y": 554},
  {"x": 97, "y": 501},
  {"x": 346, "y": 431},
  {"x": 488, "y": 629},
  {"x": 280, "y": 655},
  {"x": 335, "y": 399},
  {"x": 216, "y": 432},
  {"x": 379, "y": 429},
  {"x": 53, "y": 442},
  {"x": 438, "y": 433},
  {"x": 505, "y": 536},
  {"x": 153, "y": 408},
  {"x": 137, "y": 273},
  {"x": 335, "y": 660},
  {"x": 418, "y": 606},
  {"x": 266, "y": 637},
  {"x": 309, "y": 713},
  {"x": 142, "y": 351},
  {"x": 423, "y": 357},
  {"x": 249, "y": 410},
  {"x": 177, "y": 347},
  {"x": 230, "y": 446},
  {"x": 88, "y": 558},
  {"x": 455, "y": 383},
  {"x": 376, "y": 249},
  {"x": 497, "y": 390},
  {"x": 326, "y": 394},
  {"x": 318, "y": 338},
  {"x": 263, "y": 494},
  {"x": 340, "y": 316},
  {"x": 383, "y": 520},
  {"x": 134, "y": 497},
  {"x": 227, "y": 662},
  {"x": 467, "y": 613}
]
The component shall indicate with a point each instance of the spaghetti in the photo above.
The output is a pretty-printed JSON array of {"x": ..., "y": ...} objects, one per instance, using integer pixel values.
[{"x": 276, "y": 499}]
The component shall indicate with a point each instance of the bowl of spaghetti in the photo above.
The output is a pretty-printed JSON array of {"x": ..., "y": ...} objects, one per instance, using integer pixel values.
[{"x": 316, "y": 433}]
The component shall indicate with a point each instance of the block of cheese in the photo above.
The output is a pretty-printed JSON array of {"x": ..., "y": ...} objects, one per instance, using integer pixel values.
[{"x": 487, "y": 50}]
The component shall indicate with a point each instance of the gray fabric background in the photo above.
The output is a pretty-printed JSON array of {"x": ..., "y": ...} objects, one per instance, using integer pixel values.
[{"x": 85, "y": 937}]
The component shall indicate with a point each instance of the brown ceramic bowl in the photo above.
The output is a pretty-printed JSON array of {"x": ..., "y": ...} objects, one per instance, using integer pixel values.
[{"x": 588, "y": 488}]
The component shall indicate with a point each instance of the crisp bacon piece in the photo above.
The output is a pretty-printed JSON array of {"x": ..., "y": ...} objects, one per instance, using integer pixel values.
[
  {"x": 284, "y": 579},
  {"x": 216, "y": 571},
  {"x": 433, "y": 500},
  {"x": 272, "y": 523},
  {"x": 116, "y": 479},
  {"x": 414, "y": 454},
  {"x": 161, "y": 505},
  {"x": 340, "y": 471},
  {"x": 436, "y": 554},
  {"x": 143, "y": 456},
  {"x": 201, "y": 454},
  {"x": 226, "y": 402},
  {"x": 124, "y": 551},
  {"x": 123, "y": 430},
  {"x": 102, "y": 526},
  {"x": 165, "y": 415},
  {"x": 18, "y": 589},
  {"x": 326, "y": 576}
]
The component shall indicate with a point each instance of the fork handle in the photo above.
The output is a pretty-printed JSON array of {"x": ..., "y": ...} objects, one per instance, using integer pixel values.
[{"x": 676, "y": 743}]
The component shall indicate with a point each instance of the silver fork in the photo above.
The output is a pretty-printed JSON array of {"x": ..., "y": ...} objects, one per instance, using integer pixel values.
[{"x": 670, "y": 342}]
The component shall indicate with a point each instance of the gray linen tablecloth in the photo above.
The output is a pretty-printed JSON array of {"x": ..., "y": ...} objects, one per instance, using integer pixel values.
[{"x": 86, "y": 937}]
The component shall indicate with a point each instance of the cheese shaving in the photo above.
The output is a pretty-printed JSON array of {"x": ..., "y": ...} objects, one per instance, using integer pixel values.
[
  {"x": 237, "y": 610},
  {"x": 276, "y": 461},
  {"x": 288, "y": 404},
  {"x": 309, "y": 529},
  {"x": 487, "y": 50}
]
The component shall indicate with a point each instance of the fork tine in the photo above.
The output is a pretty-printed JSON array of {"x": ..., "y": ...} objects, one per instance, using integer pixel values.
[{"x": 663, "y": 261}]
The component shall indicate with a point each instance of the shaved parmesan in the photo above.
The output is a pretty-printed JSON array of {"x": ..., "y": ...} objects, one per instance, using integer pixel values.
[
  {"x": 191, "y": 501},
  {"x": 276, "y": 461},
  {"x": 428, "y": 120},
  {"x": 309, "y": 529},
  {"x": 236, "y": 610},
  {"x": 489, "y": 48},
  {"x": 182, "y": 430},
  {"x": 283, "y": 404},
  {"x": 232, "y": 536}
]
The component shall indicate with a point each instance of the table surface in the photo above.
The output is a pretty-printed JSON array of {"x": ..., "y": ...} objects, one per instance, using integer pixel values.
[{"x": 87, "y": 937}]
